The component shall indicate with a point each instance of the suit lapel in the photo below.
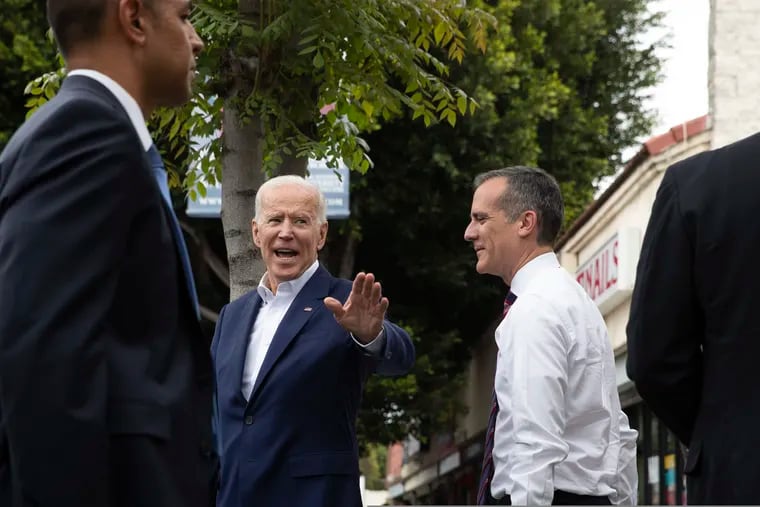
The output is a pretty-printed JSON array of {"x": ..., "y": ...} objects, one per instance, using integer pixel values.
[
  {"x": 240, "y": 346},
  {"x": 300, "y": 311}
]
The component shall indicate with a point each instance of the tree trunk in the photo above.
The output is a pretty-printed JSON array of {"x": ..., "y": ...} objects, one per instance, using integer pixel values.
[
  {"x": 242, "y": 172},
  {"x": 348, "y": 259},
  {"x": 241, "y": 177},
  {"x": 292, "y": 165}
]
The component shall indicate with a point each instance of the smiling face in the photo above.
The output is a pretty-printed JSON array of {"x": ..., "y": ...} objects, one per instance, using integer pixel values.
[
  {"x": 288, "y": 232},
  {"x": 494, "y": 237}
]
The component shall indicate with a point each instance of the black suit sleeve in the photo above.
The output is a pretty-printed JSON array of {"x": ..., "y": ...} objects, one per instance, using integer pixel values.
[
  {"x": 63, "y": 235},
  {"x": 664, "y": 338}
]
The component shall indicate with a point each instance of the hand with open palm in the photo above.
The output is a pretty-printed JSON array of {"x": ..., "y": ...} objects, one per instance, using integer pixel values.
[{"x": 364, "y": 311}]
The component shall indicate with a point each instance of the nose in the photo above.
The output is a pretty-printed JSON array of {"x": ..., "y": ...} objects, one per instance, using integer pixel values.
[
  {"x": 469, "y": 232},
  {"x": 286, "y": 230},
  {"x": 196, "y": 42}
]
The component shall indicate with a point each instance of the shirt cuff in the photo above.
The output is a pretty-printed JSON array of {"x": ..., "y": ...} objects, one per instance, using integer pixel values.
[{"x": 376, "y": 346}]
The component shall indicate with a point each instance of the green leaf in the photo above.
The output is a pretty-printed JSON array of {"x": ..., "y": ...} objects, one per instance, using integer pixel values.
[
  {"x": 462, "y": 104},
  {"x": 412, "y": 86},
  {"x": 308, "y": 39},
  {"x": 175, "y": 129},
  {"x": 452, "y": 117},
  {"x": 318, "y": 61},
  {"x": 439, "y": 32},
  {"x": 307, "y": 50}
]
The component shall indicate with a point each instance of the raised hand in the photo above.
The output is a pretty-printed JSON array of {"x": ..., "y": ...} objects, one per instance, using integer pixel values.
[{"x": 363, "y": 313}]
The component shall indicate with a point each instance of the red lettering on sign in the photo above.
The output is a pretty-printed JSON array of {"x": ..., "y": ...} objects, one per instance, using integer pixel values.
[{"x": 599, "y": 274}]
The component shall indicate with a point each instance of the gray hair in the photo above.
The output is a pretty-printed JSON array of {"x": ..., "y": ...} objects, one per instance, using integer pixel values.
[
  {"x": 530, "y": 189},
  {"x": 290, "y": 179}
]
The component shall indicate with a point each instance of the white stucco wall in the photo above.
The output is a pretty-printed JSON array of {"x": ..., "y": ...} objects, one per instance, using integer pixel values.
[{"x": 734, "y": 70}]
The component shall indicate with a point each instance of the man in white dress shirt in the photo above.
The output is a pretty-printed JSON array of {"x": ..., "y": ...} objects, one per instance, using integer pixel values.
[{"x": 558, "y": 433}]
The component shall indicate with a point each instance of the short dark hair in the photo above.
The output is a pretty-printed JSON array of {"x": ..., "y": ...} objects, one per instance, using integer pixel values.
[
  {"x": 75, "y": 21},
  {"x": 530, "y": 188},
  {"x": 78, "y": 21}
]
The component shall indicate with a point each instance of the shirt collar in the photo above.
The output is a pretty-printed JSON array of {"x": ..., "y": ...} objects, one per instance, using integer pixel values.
[
  {"x": 125, "y": 99},
  {"x": 291, "y": 287},
  {"x": 523, "y": 276}
]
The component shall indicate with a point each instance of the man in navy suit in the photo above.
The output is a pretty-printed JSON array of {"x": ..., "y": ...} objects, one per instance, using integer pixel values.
[
  {"x": 105, "y": 377},
  {"x": 291, "y": 359}
]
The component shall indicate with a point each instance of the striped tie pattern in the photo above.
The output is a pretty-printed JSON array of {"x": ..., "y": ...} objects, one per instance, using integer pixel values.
[{"x": 486, "y": 474}]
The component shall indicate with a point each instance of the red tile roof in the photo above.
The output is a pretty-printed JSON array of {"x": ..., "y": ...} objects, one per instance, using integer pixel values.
[{"x": 658, "y": 144}]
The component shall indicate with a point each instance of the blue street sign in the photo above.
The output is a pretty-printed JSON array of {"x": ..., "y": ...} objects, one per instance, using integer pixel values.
[{"x": 334, "y": 184}]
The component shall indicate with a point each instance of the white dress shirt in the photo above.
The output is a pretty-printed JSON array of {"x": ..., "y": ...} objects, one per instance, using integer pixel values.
[
  {"x": 125, "y": 99},
  {"x": 560, "y": 425},
  {"x": 272, "y": 311}
]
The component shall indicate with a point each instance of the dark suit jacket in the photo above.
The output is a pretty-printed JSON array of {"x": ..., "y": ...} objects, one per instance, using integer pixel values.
[
  {"x": 105, "y": 379},
  {"x": 294, "y": 442},
  {"x": 693, "y": 334}
]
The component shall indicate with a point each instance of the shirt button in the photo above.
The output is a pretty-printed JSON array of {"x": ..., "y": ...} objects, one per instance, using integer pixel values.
[{"x": 248, "y": 420}]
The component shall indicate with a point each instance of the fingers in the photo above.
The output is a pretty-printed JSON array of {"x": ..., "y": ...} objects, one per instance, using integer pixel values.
[
  {"x": 384, "y": 303},
  {"x": 366, "y": 286},
  {"x": 334, "y": 306},
  {"x": 376, "y": 292},
  {"x": 358, "y": 286},
  {"x": 369, "y": 281}
]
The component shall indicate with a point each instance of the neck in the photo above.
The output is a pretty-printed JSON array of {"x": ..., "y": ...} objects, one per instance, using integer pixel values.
[
  {"x": 525, "y": 258},
  {"x": 115, "y": 65},
  {"x": 268, "y": 283}
]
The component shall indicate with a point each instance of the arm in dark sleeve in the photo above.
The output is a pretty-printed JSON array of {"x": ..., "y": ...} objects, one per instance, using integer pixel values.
[
  {"x": 63, "y": 235},
  {"x": 664, "y": 337},
  {"x": 392, "y": 353}
]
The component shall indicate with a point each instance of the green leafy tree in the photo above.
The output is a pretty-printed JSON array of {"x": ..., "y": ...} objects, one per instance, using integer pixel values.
[
  {"x": 304, "y": 78},
  {"x": 25, "y": 53}
]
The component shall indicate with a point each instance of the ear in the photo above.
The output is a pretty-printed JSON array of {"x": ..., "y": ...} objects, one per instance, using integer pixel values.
[
  {"x": 527, "y": 224},
  {"x": 322, "y": 235},
  {"x": 255, "y": 233},
  {"x": 132, "y": 19}
]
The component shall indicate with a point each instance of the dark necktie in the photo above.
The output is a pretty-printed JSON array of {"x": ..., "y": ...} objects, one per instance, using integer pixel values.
[
  {"x": 159, "y": 172},
  {"x": 486, "y": 474}
]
